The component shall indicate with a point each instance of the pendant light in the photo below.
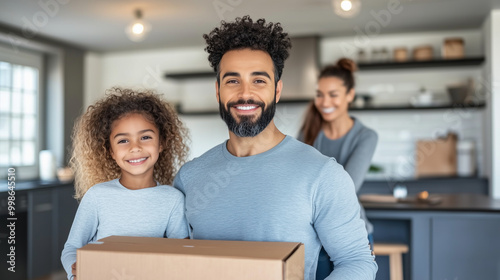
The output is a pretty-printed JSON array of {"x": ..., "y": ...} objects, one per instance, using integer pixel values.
[
  {"x": 346, "y": 8},
  {"x": 138, "y": 29}
]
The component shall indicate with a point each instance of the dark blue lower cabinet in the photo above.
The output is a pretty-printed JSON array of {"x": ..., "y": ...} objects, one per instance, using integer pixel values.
[
  {"x": 466, "y": 247},
  {"x": 443, "y": 245}
]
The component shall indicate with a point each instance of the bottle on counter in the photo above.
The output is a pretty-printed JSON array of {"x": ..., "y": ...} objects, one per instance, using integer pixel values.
[
  {"x": 362, "y": 58},
  {"x": 384, "y": 55},
  {"x": 47, "y": 163},
  {"x": 466, "y": 158}
]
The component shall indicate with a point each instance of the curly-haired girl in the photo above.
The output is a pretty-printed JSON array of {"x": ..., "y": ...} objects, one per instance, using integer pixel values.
[{"x": 126, "y": 150}]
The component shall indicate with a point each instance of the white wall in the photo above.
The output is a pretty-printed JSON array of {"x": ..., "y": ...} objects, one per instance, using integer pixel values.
[
  {"x": 491, "y": 29},
  {"x": 92, "y": 84},
  {"x": 398, "y": 131},
  {"x": 143, "y": 69},
  {"x": 495, "y": 102}
]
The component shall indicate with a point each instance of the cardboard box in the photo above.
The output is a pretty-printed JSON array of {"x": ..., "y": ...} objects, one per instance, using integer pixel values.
[
  {"x": 143, "y": 258},
  {"x": 437, "y": 157}
]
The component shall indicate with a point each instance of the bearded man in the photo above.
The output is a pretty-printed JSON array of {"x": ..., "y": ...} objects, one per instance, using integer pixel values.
[{"x": 262, "y": 185}]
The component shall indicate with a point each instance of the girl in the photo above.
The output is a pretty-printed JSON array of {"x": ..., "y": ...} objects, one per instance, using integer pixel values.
[
  {"x": 329, "y": 128},
  {"x": 126, "y": 150}
]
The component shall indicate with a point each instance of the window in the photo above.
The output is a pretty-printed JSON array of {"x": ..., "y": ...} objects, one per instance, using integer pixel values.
[{"x": 19, "y": 112}]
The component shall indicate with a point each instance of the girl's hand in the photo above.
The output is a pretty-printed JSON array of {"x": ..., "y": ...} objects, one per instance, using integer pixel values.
[{"x": 73, "y": 270}]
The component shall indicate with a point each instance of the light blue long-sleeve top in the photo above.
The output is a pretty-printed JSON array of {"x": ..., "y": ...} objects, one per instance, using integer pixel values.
[
  {"x": 289, "y": 193},
  {"x": 111, "y": 209}
]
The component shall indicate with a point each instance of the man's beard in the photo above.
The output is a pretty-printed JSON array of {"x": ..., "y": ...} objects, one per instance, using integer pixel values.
[{"x": 246, "y": 127}]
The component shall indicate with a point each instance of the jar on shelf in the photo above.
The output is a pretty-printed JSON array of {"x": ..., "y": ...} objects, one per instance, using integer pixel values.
[
  {"x": 400, "y": 54},
  {"x": 375, "y": 57},
  {"x": 362, "y": 58},
  {"x": 423, "y": 53},
  {"x": 384, "y": 55},
  {"x": 453, "y": 48}
]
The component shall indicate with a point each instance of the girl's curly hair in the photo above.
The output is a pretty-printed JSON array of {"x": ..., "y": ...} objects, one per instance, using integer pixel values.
[
  {"x": 91, "y": 158},
  {"x": 245, "y": 33}
]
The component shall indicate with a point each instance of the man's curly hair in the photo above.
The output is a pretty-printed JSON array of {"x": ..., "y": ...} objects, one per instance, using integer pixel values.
[
  {"x": 91, "y": 154},
  {"x": 245, "y": 33}
]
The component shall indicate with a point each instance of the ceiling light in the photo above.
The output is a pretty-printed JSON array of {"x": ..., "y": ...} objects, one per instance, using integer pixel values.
[
  {"x": 346, "y": 8},
  {"x": 346, "y": 5},
  {"x": 138, "y": 29}
]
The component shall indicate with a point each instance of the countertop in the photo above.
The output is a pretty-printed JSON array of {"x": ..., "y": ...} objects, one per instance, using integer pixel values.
[
  {"x": 33, "y": 185},
  {"x": 469, "y": 202},
  {"x": 448, "y": 202}
]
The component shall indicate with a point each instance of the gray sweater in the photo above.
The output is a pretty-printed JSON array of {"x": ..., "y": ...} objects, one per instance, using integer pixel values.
[
  {"x": 289, "y": 193},
  {"x": 354, "y": 151}
]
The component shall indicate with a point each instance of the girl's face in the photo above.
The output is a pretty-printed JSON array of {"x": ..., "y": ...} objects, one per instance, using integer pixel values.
[
  {"x": 332, "y": 98},
  {"x": 135, "y": 146}
]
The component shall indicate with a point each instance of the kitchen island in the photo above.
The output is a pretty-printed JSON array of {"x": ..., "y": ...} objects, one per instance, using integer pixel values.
[{"x": 456, "y": 238}]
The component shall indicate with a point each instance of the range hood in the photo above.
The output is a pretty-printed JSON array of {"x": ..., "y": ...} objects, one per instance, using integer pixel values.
[{"x": 301, "y": 69}]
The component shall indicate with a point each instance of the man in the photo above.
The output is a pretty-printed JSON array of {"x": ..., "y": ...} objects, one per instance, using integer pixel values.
[{"x": 261, "y": 185}]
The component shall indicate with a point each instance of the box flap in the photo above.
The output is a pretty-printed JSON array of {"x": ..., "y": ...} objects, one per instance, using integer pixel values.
[{"x": 233, "y": 249}]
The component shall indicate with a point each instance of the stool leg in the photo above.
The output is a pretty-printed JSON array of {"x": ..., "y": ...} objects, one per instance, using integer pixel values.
[{"x": 396, "y": 266}]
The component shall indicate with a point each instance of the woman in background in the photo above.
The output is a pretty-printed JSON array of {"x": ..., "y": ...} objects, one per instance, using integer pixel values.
[{"x": 329, "y": 128}]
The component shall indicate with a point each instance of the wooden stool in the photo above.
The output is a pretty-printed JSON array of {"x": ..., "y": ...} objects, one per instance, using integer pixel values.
[{"x": 394, "y": 251}]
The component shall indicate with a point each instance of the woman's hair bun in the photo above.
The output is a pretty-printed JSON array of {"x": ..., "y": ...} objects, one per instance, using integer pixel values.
[{"x": 347, "y": 64}]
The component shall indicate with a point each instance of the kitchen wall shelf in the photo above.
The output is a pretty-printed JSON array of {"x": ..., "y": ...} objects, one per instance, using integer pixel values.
[
  {"x": 406, "y": 108},
  {"x": 364, "y": 109},
  {"x": 470, "y": 61},
  {"x": 436, "y": 63},
  {"x": 190, "y": 75},
  {"x": 197, "y": 113}
]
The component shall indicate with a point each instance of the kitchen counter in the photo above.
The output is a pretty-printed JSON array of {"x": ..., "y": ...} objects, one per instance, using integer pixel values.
[
  {"x": 448, "y": 202},
  {"x": 33, "y": 185},
  {"x": 477, "y": 185},
  {"x": 454, "y": 239}
]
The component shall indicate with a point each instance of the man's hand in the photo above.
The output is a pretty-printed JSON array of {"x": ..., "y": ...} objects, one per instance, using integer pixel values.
[{"x": 73, "y": 270}]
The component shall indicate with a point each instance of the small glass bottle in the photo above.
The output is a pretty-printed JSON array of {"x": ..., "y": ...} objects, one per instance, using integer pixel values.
[{"x": 362, "y": 56}]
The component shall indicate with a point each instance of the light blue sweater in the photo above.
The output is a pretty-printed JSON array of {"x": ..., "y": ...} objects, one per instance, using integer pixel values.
[
  {"x": 111, "y": 209},
  {"x": 289, "y": 193}
]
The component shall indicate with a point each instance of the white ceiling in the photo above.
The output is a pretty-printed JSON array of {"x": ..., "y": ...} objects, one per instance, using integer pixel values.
[{"x": 99, "y": 25}]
